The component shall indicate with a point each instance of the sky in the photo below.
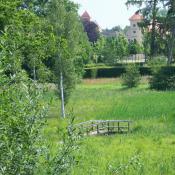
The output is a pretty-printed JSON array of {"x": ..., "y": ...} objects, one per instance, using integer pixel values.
[{"x": 107, "y": 13}]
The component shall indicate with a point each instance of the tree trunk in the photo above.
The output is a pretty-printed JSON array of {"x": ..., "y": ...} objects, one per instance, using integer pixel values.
[
  {"x": 153, "y": 33},
  {"x": 170, "y": 49},
  {"x": 172, "y": 28},
  {"x": 62, "y": 96},
  {"x": 34, "y": 71}
]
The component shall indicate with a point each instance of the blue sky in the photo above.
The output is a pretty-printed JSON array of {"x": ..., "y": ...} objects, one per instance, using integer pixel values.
[{"x": 107, "y": 13}]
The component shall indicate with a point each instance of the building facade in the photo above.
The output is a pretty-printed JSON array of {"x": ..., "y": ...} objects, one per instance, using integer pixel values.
[{"x": 134, "y": 32}]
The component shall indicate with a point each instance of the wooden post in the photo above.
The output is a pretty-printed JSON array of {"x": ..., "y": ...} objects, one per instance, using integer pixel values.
[
  {"x": 118, "y": 127},
  {"x": 81, "y": 130},
  {"x": 97, "y": 129},
  {"x": 128, "y": 126},
  {"x": 108, "y": 127},
  {"x": 87, "y": 130}
]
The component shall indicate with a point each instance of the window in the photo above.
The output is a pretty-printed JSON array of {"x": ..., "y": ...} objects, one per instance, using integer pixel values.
[
  {"x": 134, "y": 25},
  {"x": 134, "y": 31}
]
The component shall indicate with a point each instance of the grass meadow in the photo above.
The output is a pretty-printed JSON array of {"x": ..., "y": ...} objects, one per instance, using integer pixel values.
[{"x": 148, "y": 150}]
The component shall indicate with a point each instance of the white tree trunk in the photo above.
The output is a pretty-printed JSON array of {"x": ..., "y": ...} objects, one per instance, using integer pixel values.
[
  {"x": 34, "y": 71},
  {"x": 62, "y": 96}
]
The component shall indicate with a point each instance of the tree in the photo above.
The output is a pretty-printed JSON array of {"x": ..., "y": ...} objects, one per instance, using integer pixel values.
[
  {"x": 22, "y": 118},
  {"x": 115, "y": 49},
  {"x": 27, "y": 30},
  {"x": 122, "y": 46},
  {"x": 150, "y": 14},
  {"x": 97, "y": 50},
  {"x": 117, "y": 29},
  {"x": 68, "y": 46},
  {"x": 170, "y": 19},
  {"x": 162, "y": 25},
  {"x": 92, "y": 30},
  {"x": 132, "y": 76},
  {"x": 22, "y": 113},
  {"x": 134, "y": 48}
]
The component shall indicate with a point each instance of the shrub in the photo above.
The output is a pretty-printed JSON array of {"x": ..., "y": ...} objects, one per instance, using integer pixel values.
[
  {"x": 22, "y": 116},
  {"x": 164, "y": 79},
  {"x": 23, "y": 149},
  {"x": 65, "y": 158},
  {"x": 132, "y": 76}
]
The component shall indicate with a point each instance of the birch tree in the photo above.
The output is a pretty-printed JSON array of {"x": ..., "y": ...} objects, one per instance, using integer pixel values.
[{"x": 69, "y": 44}]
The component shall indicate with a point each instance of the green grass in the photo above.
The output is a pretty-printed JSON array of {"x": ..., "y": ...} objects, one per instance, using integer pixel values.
[{"x": 148, "y": 150}]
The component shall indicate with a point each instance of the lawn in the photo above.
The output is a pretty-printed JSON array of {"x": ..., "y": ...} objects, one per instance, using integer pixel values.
[{"x": 148, "y": 150}]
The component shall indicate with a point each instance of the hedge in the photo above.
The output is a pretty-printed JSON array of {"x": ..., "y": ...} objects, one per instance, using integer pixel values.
[{"x": 111, "y": 72}]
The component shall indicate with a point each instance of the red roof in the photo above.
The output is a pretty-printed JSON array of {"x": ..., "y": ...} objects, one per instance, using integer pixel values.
[
  {"x": 136, "y": 17},
  {"x": 86, "y": 15}
]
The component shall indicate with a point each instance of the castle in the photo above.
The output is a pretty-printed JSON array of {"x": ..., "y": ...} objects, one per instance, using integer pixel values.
[
  {"x": 134, "y": 32},
  {"x": 86, "y": 17}
]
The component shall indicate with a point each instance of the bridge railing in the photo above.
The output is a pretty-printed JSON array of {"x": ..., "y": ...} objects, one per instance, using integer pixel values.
[{"x": 103, "y": 126}]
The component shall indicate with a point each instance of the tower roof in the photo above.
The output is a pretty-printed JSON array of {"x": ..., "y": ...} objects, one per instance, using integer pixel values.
[
  {"x": 136, "y": 17},
  {"x": 86, "y": 15}
]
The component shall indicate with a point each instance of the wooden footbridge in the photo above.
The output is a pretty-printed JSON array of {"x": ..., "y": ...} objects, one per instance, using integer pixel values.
[{"x": 94, "y": 127}]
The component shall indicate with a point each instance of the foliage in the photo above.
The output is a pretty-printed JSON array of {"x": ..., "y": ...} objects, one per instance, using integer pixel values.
[
  {"x": 92, "y": 30},
  {"x": 29, "y": 26},
  {"x": 22, "y": 115},
  {"x": 26, "y": 42},
  {"x": 158, "y": 26},
  {"x": 163, "y": 79},
  {"x": 134, "y": 164},
  {"x": 65, "y": 159},
  {"x": 134, "y": 48},
  {"x": 111, "y": 50},
  {"x": 113, "y": 32},
  {"x": 156, "y": 63},
  {"x": 97, "y": 50},
  {"x": 22, "y": 112},
  {"x": 132, "y": 76},
  {"x": 68, "y": 45},
  {"x": 150, "y": 14},
  {"x": 27, "y": 31}
]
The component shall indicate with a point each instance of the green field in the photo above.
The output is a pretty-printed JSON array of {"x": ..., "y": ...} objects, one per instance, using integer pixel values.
[{"x": 148, "y": 150}]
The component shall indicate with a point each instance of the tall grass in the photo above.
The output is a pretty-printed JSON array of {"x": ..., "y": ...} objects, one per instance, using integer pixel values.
[{"x": 148, "y": 150}]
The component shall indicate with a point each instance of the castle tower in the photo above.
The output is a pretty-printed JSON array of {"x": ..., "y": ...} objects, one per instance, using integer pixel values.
[
  {"x": 134, "y": 32},
  {"x": 86, "y": 17}
]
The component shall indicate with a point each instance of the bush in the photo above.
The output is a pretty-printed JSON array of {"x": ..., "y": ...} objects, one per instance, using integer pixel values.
[
  {"x": 164, "y": 79},
  {"x": 23, "y": 149},
  {"x": 22, "y": 116},
  {"x": 132, "y": 76}
]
